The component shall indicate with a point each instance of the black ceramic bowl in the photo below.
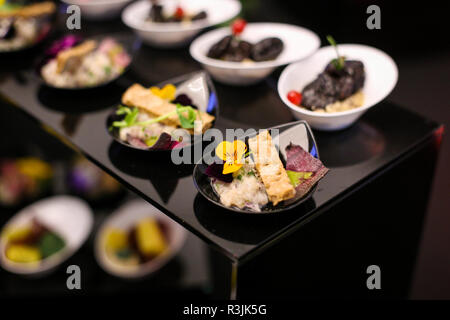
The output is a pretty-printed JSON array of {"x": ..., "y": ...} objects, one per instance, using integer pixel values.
[
  {"x": 130, "y": 43},
  {"x": 298, "y": 133},
  {"x": 211, "y": 107}
]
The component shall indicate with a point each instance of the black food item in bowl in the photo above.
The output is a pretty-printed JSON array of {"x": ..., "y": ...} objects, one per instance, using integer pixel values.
[
  {"x": 156, "y": 14},
  {"x": 334, "y": 84},
  {"x": 231, "y": 48}
]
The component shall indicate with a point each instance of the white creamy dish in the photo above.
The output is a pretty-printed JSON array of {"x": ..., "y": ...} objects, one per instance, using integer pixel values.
[
  {"x": 246, "y": 189},
  {"x": 24, "y": 34},
  {"x": 20, "y": 25}
]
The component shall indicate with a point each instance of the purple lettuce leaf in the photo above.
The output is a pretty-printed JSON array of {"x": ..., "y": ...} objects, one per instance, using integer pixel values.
[
  {"x": 298, "y": 160},
  {"x": 165, "y": 142}
]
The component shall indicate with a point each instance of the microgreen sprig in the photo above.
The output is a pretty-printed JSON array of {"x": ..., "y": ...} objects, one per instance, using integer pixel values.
[{"x": 340, "y": 60}]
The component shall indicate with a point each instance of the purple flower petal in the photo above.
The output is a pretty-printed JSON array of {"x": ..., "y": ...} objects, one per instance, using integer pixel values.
[{"x": 215, "y": 170}]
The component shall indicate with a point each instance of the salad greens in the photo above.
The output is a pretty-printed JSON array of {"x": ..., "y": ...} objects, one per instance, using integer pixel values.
[{"x": 186, "y": 114}]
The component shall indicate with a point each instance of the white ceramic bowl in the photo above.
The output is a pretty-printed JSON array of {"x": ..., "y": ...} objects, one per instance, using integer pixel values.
[
  {"x": 299, "y": 43},
  {"x": 99, "y": 9},
  {"x": 381, "y": 78},
  {"x": 69, "y": 217},
  {"x": 125, "y": 218},
  {"x": 175, "y": 34}
]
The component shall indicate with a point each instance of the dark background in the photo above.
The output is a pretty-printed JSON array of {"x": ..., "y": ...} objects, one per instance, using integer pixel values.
[{"x": 416, "y": 35}]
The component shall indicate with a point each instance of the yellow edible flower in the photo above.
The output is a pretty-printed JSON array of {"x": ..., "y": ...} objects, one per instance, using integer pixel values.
[
  {"x": 167, "y": 92},
  {"x": 231, "y": 153}
]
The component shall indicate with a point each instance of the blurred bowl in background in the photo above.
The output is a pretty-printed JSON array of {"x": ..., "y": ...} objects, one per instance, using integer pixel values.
[
  {"x": 99, "y": 9},
  {"x": 299, "y": 43},
  {"x": 61, "y": 217},
  {"x": 177, "y": 34},
  {"x": 134, "y": 228}
]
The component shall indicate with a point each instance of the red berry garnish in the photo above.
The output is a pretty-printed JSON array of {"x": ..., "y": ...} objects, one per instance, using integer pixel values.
[
  {"x": 179, "y": 12},
  {"x": 295, "y": 97},
  {"x": 238, "y": 26}
]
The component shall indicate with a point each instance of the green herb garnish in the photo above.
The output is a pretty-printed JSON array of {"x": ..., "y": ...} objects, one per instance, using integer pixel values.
[
  {"x": 295, "y": 177},
  {"x": 107, "y": 70},
  {"x": 189, "y": 121},
  {"x": 151, "y": 141},
  {"x": 340, "y": 60},
  {"x": 130, "y": 118},
  {"x": 251, "y": 173}
]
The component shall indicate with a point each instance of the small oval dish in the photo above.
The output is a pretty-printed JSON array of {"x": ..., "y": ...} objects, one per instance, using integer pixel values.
[
  {"x": 173, "y": 23},
  {"x": 99, "y": 9},
  {"x": 279, "y": 170},
  {"x": 370, "y": 69},
  {"x": 152, "y": 119},
  {"x": 73, "y": 63},
  {"x": 45, "y": 234},
  {"x": 137, "y": 240},
  {"x": 296, "y": 43}
]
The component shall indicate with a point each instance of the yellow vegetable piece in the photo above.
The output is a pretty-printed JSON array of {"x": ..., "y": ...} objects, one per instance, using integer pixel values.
[
  {"x": 116, "y": 239},
  {"x": 14, "y": 234},
  {"x": 307, "y": 175},
  {"x": 22, "y": 253},
  {"x": 231, "y": 153},
  {"x": 149, "y": 238},
  {"x": 167, "y": 92}
]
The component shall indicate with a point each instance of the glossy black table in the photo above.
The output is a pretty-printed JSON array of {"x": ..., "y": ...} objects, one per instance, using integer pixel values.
[{"x": 272, "y": 254}]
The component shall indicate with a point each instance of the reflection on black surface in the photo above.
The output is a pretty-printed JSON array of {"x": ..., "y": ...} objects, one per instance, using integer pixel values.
[
  {"x": 70, "y": 123},
  {"x": 155, "y": 166},
  {"x": 245, "y": 228},
  {"x": 80, "y": 101},
  {"x": 351, "y": 146}
]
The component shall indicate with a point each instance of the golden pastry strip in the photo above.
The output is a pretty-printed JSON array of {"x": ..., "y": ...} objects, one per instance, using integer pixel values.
[
  {"x": 142, "y": 98},
  {"x": 270, "y": 168},
  {"x": 71, "y": 58}
]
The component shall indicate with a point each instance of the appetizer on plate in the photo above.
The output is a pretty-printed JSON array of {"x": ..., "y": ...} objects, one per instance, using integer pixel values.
[
  {"x": 137, "y": 240},
  {"x": 252, "y": 180},
  {"x": 157, "y": 14},
  {"x": 31, "y": 243},
  {"x": 233, "y": 48},
  {"x": 20, "y": 25},
  {"x": 151, "y": 116},
  {"x": 173, "y": 23},
  {"x": 41, "y": 236},
  {"x": 143, "y": 242},
  {"x": 248, "y": 53},
  {"x": 74, "y": 63},
  {"x": 338, "y": 88},
  {"x": 23, "y": 179}
]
